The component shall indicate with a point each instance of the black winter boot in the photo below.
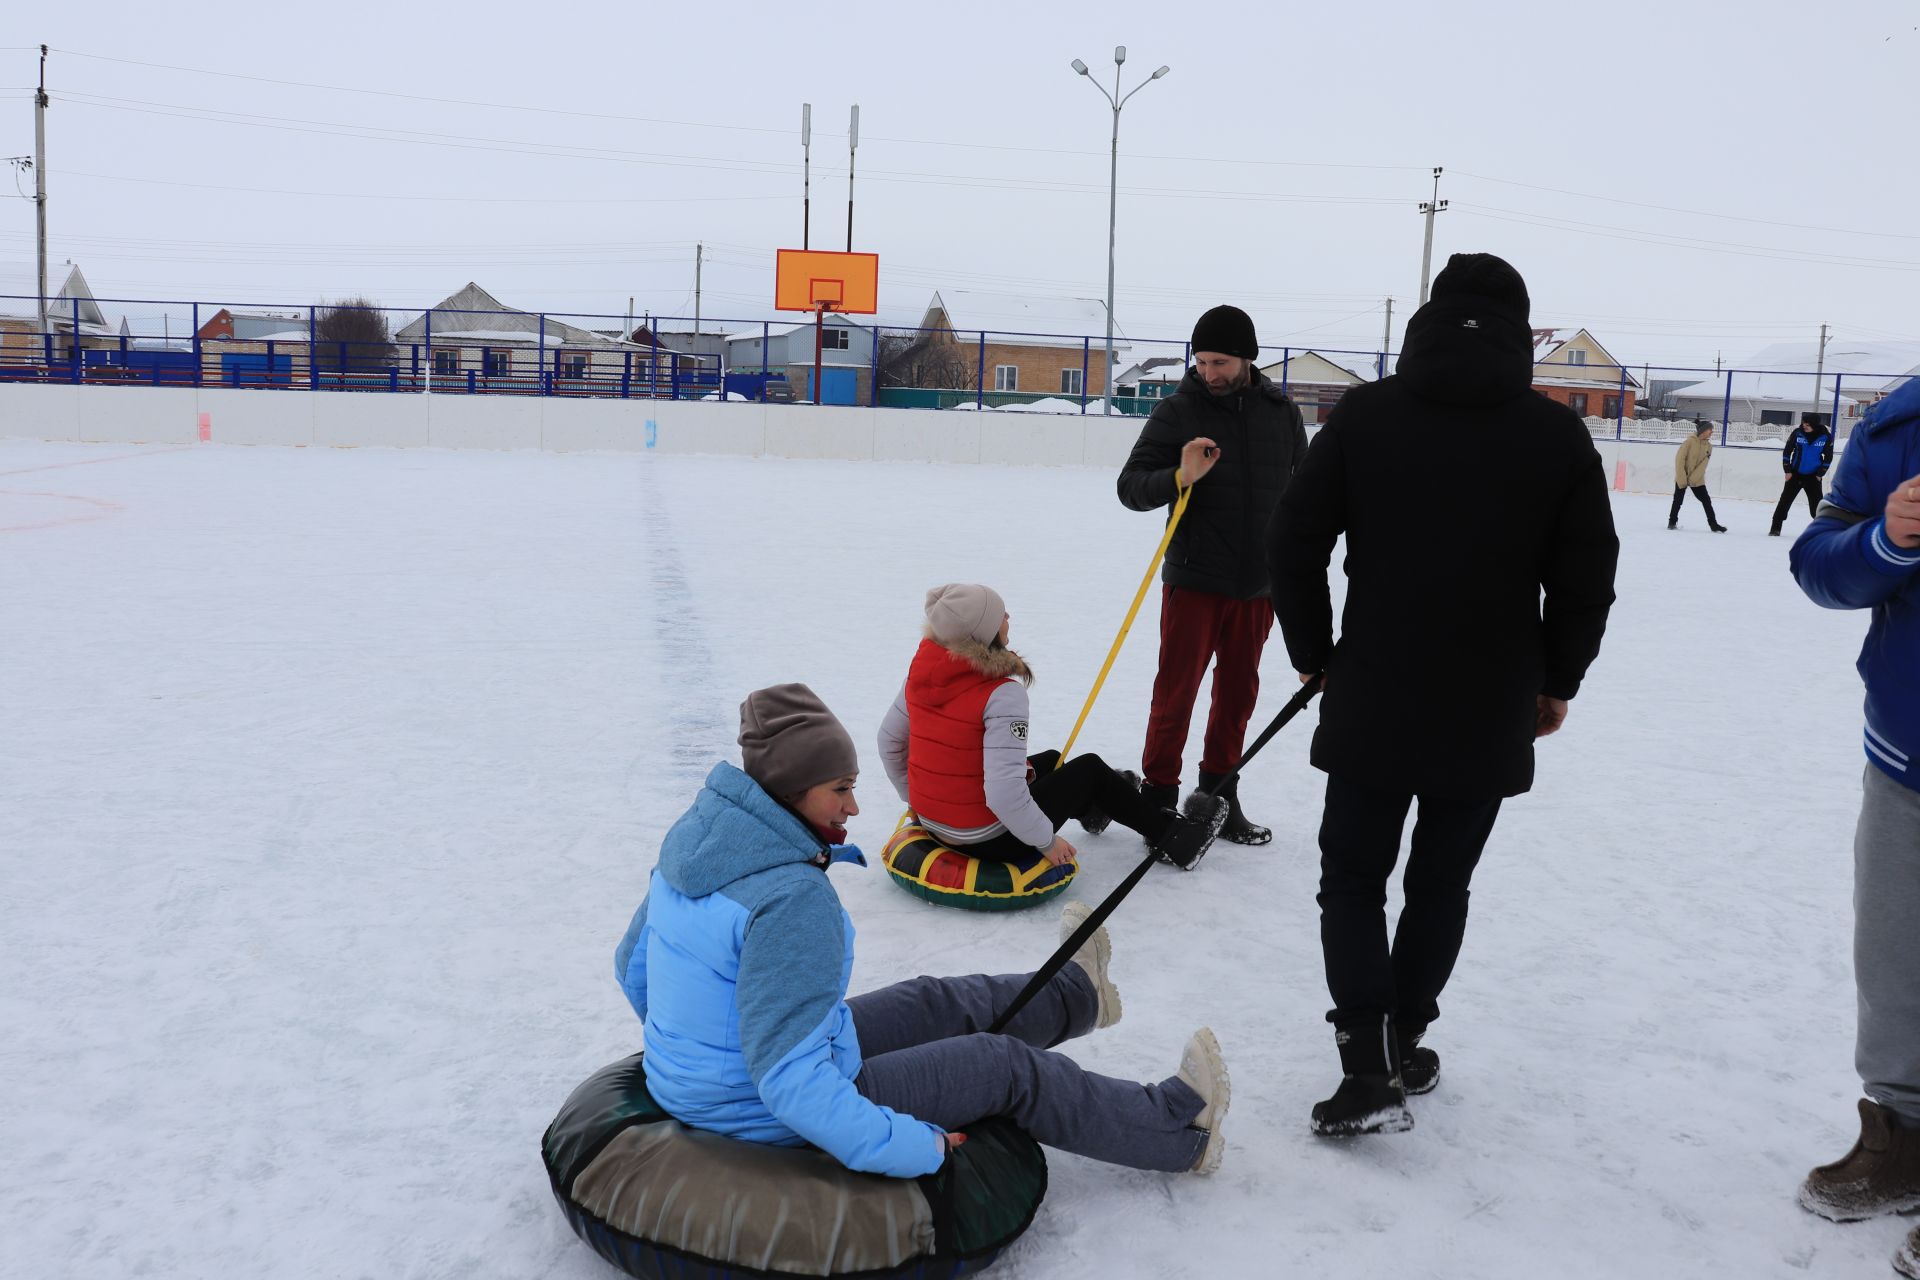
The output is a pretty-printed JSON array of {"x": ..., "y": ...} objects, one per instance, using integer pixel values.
[
  {"x": 1191, "y": 835},
  {"x": 1096, "y": 819},
  {"x": 1419, "y": 1065},
  {"x": 1160, "y": 797},
  {"x": 1238, "y": 830},
  {"x": 1370, "y": 1098}
]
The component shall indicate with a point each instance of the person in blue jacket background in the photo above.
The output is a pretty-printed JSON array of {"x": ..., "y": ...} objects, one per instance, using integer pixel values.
[
  {"x": 1808, "y": 454},
  {"x": 738, "y": 961},
  {"x": 1863, "y": 552}
]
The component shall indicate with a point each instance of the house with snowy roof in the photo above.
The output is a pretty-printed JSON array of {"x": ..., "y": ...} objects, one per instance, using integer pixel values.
[
  {"x": 1579, "y": 373},
  {"x": 846, "y": 356},
  {"x": 1043, "y": 345},
  {"x": 73, "y": 315},
  {"x": 1315, "y": 380},
  {"x": 473, "y": 332},
  {"x": 1777, "y": 385}
]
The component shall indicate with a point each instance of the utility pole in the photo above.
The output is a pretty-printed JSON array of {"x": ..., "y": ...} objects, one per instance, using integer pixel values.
[
  {"x": 40, "y": 194},
  {"x": 1386, "y": 339},
  {"x": 806, "y": 173},
  {"x": 1429, "y": 208},
  {"x": 853, "y": 145},
  {"x": 699, "y": 253},
  {"x": 1819, "y": 367}
]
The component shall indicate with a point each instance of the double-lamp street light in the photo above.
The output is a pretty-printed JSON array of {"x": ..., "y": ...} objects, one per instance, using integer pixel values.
[{"x": 1116, "y": 100}]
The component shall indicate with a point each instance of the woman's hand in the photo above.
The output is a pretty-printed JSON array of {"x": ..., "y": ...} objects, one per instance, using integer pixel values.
[{"x": 1060, "y": 853}]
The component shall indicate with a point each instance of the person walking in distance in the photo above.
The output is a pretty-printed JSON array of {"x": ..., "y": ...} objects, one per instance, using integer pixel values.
[
  {"x": 1449, "y": 662},
  {"x": 1232, "y": 436},
  {"x": 1863, "y": 552},
  {"x": 1690, "y": 472},
  {"x": 1808, "y": 454}
]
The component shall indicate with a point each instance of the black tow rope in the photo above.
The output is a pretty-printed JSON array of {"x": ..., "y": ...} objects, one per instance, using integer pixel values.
[{"x": 1295, "y": 705}]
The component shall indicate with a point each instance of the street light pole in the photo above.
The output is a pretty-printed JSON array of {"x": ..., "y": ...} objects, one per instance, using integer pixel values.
[
  {"x": 1115, "y": 100},
  {"x": 1429, "y": 208}
]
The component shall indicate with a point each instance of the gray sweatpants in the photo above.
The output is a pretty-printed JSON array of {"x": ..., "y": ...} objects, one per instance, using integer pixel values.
[
  {"x": 1886, "y": 943},
  {"x": 927, "y": 1053}
]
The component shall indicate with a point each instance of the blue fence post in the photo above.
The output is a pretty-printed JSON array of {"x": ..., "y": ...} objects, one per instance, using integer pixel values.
[
  {"x": 196, "y": 344},
  {"x": 472, "y": 384},
  {"x": 429, "y": 335},
  {"x": 393, "y": 377},
  {"x": 1833, "y": 422},
  {"x": 626, "y": 375},
  {"x": 540, "y": 360},
  {"x": 313, "y": 352},
  {"x": 1286, "y": 367},
  {"x": 73, "y": 348},
  {"x": 1726, "y": 408},
  {"x": 980, "y": 379},
  {"x": 1620, "y": 405},
  {"x": 873, "y": 385},
  {"x": 1086, "y": 350}
]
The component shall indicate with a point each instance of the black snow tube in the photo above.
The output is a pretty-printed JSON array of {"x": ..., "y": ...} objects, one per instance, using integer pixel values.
[{"x": 658, "y": 1199}]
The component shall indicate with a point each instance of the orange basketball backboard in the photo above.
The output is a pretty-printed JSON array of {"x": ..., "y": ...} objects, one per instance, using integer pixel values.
[{"x": 807, "y": 279}]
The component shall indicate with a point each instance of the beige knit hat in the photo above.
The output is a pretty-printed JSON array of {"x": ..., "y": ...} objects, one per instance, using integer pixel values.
[
  {"x": 965, "y": 611},
  {"x": 789, "y": 741}
]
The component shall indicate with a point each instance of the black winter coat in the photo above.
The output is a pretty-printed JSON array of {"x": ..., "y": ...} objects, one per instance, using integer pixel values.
[
  {"x": 1220, "y": 544},
  {"x": 1463, "y": 495}
]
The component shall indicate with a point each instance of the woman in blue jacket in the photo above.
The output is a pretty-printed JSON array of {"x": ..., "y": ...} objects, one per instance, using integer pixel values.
[
  {"x": 1863, "y": 552},
  {"x": 738, "y": 962}
]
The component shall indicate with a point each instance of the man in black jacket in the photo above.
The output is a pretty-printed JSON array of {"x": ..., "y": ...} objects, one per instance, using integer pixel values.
[
  {"x": 1808, "y": 454},
  {"x": 1448, "y": 664},
  {"x": 1230, "y": 426}
]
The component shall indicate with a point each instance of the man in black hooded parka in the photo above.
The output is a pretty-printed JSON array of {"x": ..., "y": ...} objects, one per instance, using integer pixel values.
[{"x": 1464, "y": 496}]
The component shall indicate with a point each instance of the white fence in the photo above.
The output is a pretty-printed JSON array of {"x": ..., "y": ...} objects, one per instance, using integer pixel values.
[{"x": 175, "y": 415}]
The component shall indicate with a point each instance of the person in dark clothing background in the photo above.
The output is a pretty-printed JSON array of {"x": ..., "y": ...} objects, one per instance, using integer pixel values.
[
  {"x": 1448, "y": 665},
  {"x": 1230, "y": 427},
  {"x": 1808, "y": 454}
]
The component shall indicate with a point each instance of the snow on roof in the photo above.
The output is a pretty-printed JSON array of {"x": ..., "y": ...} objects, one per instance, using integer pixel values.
[
  {"x": 1784, "y": 371},
  {"x": 1157, "y": 369},
  {"x": 1039, "y": 321},
  {"x": 832, "y": 321},
  {"x": 20, "y": 290},
  {"x": 1348, "y": 363},
  {"x": 486, "y": 314}
]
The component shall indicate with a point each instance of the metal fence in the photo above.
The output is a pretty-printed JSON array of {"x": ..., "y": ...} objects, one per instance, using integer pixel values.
[{"x": 477, "y": 351}]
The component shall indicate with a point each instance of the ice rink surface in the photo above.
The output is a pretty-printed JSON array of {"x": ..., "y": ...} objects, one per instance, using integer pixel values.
[{"x": 329, "y": 779}]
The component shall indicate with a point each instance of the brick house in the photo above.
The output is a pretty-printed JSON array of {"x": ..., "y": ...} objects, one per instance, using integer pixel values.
[
  {"x": 1032, "y": 346},
  {"x": 1578, "y": 373}
]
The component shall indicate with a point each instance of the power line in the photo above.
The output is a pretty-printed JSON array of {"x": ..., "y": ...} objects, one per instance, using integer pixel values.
[{"x": 1552, "y": 223}]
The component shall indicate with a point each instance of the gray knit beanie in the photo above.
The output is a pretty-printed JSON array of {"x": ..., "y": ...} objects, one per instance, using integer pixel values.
[
  {"x": 965, "y": 611},
  {"x": 789, "y": 741}
]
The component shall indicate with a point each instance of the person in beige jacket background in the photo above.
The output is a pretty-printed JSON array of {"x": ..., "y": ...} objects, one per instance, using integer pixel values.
[{"x": 1690, "y": 472}]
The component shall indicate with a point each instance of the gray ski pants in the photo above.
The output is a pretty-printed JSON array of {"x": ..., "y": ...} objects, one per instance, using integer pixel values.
[
  {"x": 926, "y": 1053},
  {"x": 1886, "y": 943}
]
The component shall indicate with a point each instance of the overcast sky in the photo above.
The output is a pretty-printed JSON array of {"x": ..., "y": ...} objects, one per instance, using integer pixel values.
[{"x": 1682, "y": 178}]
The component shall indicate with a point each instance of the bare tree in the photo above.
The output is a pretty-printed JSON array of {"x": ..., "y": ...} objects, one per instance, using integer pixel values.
[
  {"x": 919, "y": 358},
  {"x": 352, "y": 334}
]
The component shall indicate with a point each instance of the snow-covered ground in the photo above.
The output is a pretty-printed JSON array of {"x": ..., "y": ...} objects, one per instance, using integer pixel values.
[{"x": 328, "y": 780}]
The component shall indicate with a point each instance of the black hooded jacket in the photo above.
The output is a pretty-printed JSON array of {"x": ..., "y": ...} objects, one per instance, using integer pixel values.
[
  {"x": 1463, "y": 495},
  {"x": 1220, "y": 544}
]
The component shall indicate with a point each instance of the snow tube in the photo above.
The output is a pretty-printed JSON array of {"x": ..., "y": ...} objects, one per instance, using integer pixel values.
[
  {"x": 925, "y": 868},
  {"x": 658, "y": 1199}
]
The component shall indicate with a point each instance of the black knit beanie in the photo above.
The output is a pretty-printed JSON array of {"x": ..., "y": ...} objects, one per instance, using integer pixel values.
[
  {"x": 1228, "y": 330},
  {"x": 1482, "y": 275}
]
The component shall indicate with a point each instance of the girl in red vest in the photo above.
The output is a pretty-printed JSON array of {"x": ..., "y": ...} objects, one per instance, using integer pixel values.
[{"x": 955, "y": 747}]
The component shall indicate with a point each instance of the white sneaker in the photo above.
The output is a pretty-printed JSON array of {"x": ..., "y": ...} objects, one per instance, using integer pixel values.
[
  {"x": 1203, "y": 1071},
  {"x": 1093, "y": 957}
]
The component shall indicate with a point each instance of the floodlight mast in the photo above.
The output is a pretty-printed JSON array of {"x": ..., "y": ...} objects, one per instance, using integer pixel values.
[{"x": 806, "y": 173}]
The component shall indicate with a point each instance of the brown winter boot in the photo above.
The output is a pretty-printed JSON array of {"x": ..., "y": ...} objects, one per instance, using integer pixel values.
[
  {"x": 1906, "y": 1259},
  {"x": 1880, "y": 1175}
]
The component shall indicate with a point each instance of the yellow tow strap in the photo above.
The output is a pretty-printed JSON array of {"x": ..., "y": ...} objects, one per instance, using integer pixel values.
[{"x": 1179, "y": 509}]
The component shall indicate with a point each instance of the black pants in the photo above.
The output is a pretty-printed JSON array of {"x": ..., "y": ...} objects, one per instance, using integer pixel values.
[
  {"x": 1359, "y": 844},
  {"x": 1680, "y": 495},
  {"x": 1808, "y": 484},
  {"x": 1085, "y": 782}
]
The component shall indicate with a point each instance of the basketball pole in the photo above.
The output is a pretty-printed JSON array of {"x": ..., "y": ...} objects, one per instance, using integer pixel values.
[
  {"x": 806, "y": 172},
  {"x": 853, "y": 145},
  {"x": 819, "y": 333}
]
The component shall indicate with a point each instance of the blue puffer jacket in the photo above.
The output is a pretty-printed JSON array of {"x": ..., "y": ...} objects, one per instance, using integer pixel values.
[
  {"x": 738, "y": 962},
  {"x": 1844, "y": 560}
]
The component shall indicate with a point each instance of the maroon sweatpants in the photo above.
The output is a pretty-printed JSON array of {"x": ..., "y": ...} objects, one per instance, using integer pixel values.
[{"x": 1197, "y": 627}]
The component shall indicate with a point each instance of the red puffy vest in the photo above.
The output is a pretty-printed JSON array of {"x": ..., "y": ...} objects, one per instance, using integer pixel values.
[{"x": 946, "y": 709}]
